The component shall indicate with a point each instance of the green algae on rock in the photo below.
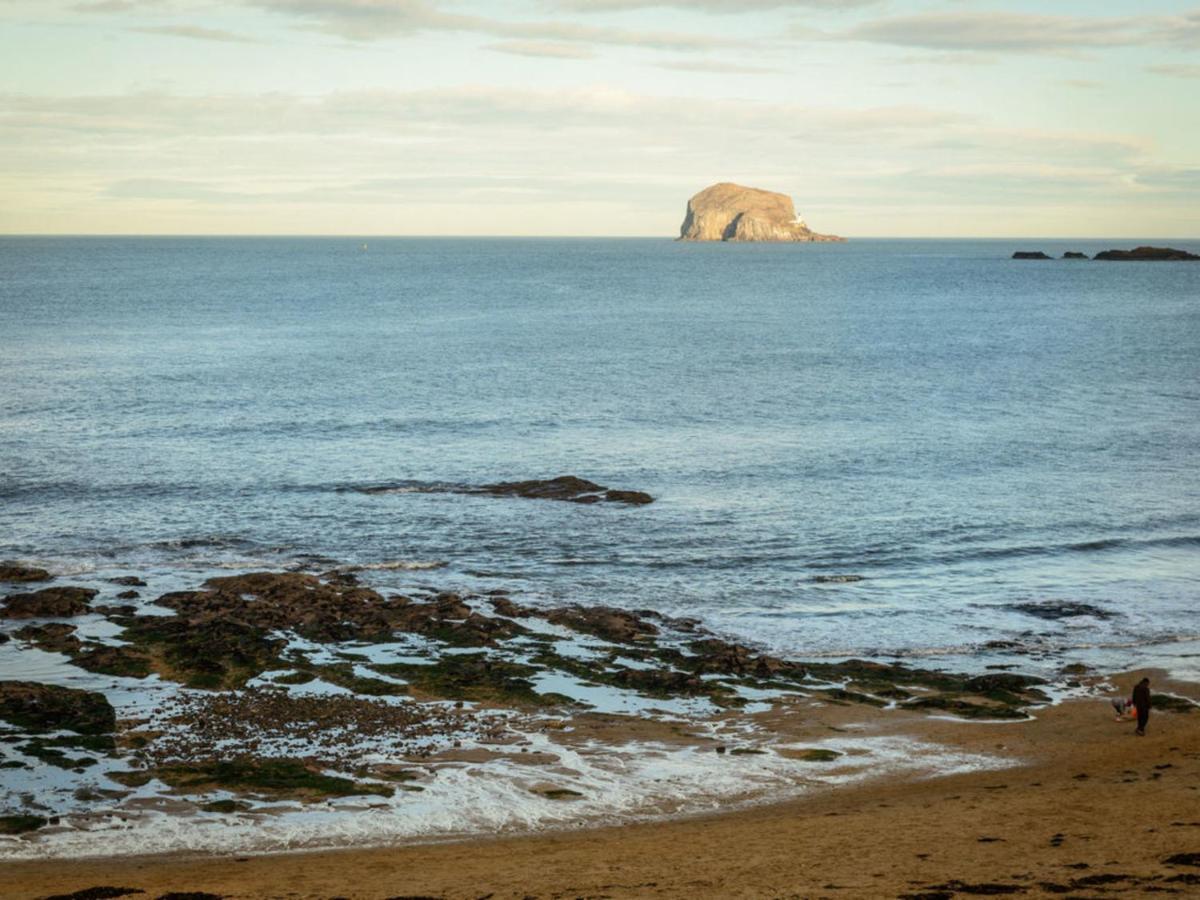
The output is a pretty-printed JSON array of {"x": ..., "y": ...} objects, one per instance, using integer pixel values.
[
  {"x": 48, "y": 603},
  {"x": 290, "y": 778},
  {"x": 49, "y": 707}
]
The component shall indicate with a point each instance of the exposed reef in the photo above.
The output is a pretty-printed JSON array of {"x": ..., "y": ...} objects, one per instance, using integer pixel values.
[
  {"x": 47, "y": 707},
  {"x": 731, "y": 212},
  {"x": 1138, "y": 254},
  {"x": 1148, "y": 254},
  {"x": 15, "y": 572},
  {"x": 236, "y": 629},
  {"x": 567, "y": 488},
  {"x": 48, "y": 603}
]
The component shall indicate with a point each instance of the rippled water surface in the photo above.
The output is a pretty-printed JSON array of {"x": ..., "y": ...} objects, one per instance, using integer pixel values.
[{"x": 963, "y": 431}]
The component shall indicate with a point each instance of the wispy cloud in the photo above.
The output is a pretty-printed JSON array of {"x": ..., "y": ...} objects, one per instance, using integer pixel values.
[
  {"x": 542, "y": 49},
  {"x": 195, "y": 32},
  {"x": 1171, "y": 179},
  {"x": 109, "y": 6},
  {"x": 1176, "y": 70},
  {"x": 368, "y": 20},
  {"x": 714, "y": 67},
  {"x": 1012, "y": 32}
]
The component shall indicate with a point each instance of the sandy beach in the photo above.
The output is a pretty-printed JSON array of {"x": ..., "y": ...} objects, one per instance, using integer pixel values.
[{"x": 1090, "y": 811}]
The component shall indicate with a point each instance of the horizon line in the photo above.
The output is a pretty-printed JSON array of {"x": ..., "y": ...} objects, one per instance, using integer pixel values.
[{"x": 581, "y": 237}]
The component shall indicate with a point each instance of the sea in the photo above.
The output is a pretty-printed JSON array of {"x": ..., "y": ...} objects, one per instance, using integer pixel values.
[{"x": 974, "y": 441}]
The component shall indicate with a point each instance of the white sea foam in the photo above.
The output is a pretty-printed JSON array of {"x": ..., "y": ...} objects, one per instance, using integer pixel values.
[
  {"x": 405, "y": 565},
  {"x": 632, "y": 782}
]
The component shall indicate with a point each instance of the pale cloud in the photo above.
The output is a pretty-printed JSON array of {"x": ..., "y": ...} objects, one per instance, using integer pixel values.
[
  {"x": 714, "y": 67},
  {"x": 1176, "y": 70},
  {"x": 109, "y": 6},
  {"x": 1176, "y": 180},
  {"x": 1014, "y": 32},
  {"x": 368, "y": 20},
  {"x": 115, "y": 7},
  {"x": 542, "y": 49},
  {"x": 196, "y": 32}
]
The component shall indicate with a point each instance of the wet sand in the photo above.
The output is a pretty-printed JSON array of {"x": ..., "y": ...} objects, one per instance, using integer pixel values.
[{"x": 1093, "y": 811}]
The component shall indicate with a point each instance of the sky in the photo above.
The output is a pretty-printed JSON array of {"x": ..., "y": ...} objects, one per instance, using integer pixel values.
[{"x": 906, "y": 118}]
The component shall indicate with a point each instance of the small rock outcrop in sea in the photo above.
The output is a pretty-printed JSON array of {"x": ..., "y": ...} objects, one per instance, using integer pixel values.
[
  {"x": 15, "y": 572},
  {"x": 731, "y": 212},
  {"x": 565, "y": 487},
  {"x": 1030, "y": 254},
  {"x": 1053, "y": 610},
  {"x": 1075, "y": 254},
  {"x": 1148, "y": 254}
]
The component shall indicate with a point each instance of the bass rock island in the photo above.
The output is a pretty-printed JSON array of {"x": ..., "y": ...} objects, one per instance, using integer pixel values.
[{"x": 730, "y": 212}]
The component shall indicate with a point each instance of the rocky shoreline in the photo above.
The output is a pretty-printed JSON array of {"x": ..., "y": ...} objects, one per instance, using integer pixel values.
[{"x": 288, "y": 687}]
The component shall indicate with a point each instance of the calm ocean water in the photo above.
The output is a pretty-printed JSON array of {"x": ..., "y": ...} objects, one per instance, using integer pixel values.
[{"x": 964, "y": 431}]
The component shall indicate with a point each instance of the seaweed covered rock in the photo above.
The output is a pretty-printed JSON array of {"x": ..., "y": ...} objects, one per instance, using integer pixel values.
[
  {"x": 105, "y": 659},
  {"x": 16, "y": 573},
  {"x": 48, "y": 707},
  {"x": 228, "y": 633},
  {"x": 616, "y": 625},
  {"x": 277, "y": 778},
  {"x": 715, "y": 656},
  {"x": 214, "y": 653},
  {"x": 473, "y": 676},
  {"x": 48, "y": 603}
]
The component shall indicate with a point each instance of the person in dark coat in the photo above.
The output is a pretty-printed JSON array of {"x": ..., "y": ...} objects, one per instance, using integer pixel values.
[{"x": 1141, "y": 702}]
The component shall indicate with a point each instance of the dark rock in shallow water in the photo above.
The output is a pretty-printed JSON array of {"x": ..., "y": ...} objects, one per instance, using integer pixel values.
[
  {"x": 1148, "y": 254},
  {"x": 19, "y": 824},
  {"x": 128, "y": 581},
  {"x": 48, "y": 603},
  {"x": 616, "y": 625},
  {"x": 1074, "y": 254},
  {"x": 1030, "y": 254},
  {"x": 1055, "y": 609},
  {"x": 201, "y": 653},
  {"x": 54, "y": 637},
  {"x": 14, "y": 572},
  {"x": 48, "y": 707},
  {"x": 565, "y": 487}
]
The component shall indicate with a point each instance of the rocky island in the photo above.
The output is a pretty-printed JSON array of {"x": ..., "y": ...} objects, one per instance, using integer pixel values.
[{"x": 731, "y": 212}]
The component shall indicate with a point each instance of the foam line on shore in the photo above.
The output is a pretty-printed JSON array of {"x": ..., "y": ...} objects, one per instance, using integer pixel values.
[{"x": 635, "y": 782}]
